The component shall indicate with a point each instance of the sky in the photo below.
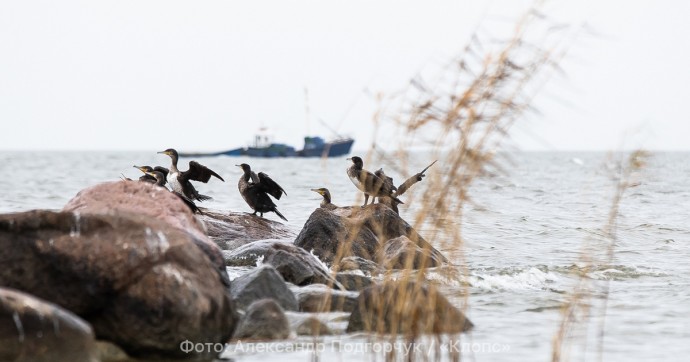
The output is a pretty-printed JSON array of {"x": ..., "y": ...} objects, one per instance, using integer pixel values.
[{"x": 204, "y": 76}]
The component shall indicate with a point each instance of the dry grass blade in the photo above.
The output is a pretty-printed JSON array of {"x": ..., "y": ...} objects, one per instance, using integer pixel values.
[
  {"x": 577, "y": 312},
  {"x": 466, "y": 115}
]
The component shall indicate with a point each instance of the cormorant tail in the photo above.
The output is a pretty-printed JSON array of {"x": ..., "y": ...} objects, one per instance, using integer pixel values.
[
  {"x": 279, "y": 214},
  {"x": 204, "y": 197}
]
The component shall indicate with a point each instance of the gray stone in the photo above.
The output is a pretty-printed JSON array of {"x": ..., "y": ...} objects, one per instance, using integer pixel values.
[
  {"x": 313, "y": 327},
  {"x": 402, "y": 253},
  {"x": 260, "y": 283},
  {"x": 295, "y": 264},
  {"x": 264, "y": 320},
  {"x": 33, "y": 330},
  {"x": 233, "y": 229},
  {"x": 406, "y": 308},
  {"x": 353, "y": 282},
  {"x": 318, "y": 298}
]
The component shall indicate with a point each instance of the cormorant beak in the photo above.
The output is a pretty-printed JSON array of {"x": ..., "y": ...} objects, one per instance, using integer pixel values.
[
  {"x": 164, "y": 153},
  {"x": 240, "y": 166},
  {"x": 317, "y": 191},
  {"x": 348, "y": 159}
]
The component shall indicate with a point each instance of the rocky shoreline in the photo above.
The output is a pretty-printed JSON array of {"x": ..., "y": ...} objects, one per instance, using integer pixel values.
[{"x": 126, "y": 267}]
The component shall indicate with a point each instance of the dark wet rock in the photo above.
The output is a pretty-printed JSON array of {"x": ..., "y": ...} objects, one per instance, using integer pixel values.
[
  {"x": 261, "y": 283},
  {"x": 407, "y": 308},
  {"x": 264, "y": 320},
  {"x": 141, "y": 198},
  {"x": 296, "y": 265},
  {"x": 327, "y": 230},
  {"x": 320, "y": 298},
  {"x": 233, "y": 229},
  {"x": 360, "y": 232},
  {"x": 353, "y": 263},
  {"x": 33, "y": 330},
  {"x": 353, "y": 282},
  {"x": 140, "y": 283},
  {"x": 401, "y": 252},
  {"x": 312, "y": 326}
]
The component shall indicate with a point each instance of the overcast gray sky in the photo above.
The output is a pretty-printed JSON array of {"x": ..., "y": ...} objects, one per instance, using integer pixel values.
[{"x": 135, "y": 75}]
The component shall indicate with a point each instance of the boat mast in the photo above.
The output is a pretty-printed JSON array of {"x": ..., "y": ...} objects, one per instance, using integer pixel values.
[{"x": 306, "y": 109}]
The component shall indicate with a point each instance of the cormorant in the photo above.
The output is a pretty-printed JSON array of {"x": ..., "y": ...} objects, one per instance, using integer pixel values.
[
  {"x": 368, "y": 183},
  {"x": 179, "y": 181},
  {"x": 393, "y": 203},
  {"x": 326, "y": 202},
  {"x": 256, "y": 192},
  {"x": 148, "y": 178},
  {"x": 160, "y": 181}
]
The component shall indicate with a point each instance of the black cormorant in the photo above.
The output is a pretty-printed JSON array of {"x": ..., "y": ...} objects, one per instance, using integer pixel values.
[
  {"x": 160, "y": 181},
  {"x": 326, "y": 202},
  {"x": 368, "y": 183},
  {"x": 179, "y": 181},
  {"x": 256, "y": 192},
  {"x": 148, "y": 178}
]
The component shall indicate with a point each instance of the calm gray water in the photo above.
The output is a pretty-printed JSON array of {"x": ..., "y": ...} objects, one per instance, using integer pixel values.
[{"x": 522, "y": 245}]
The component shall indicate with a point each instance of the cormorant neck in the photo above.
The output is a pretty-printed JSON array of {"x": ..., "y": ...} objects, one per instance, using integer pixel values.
[
  {"x": 326, "y": 198},
  {"x": 247, "y": 175}
]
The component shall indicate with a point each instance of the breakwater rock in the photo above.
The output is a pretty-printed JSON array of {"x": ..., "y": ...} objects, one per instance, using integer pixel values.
[{"x": 345, "y": 232}]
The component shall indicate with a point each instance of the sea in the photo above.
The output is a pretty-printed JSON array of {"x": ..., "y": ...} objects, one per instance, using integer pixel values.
[{"x": 533, "y": 241}]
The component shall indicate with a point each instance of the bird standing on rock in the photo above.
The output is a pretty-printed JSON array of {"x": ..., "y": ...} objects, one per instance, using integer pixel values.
[
  {"x": 255, "y": 190},
  {"x": 179, "y": 181},
  {"x": 369, "y": 183},
  {"x": 146, "y": 177},
  {"x": 326, "y": 202},
  {"x": 157, "y": 174}
]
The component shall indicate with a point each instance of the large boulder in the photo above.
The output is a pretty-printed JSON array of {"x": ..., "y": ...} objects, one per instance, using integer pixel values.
[
  {"x": 406, "y": 308},
  {"x": 296, "y": 265},
  {"x": 33, "y": 330},
  {"x": 360, "y": 232},
  {"x": 264, "y": 320},
  {"x": 261, "y": 283},
  {"x": 402, "y": 253},
  {"x": 233, "y": 229},
  {"x": 141, "y": 284},
  {"x": 141, "y": 198},
  {"x": 137, "y": 198}
]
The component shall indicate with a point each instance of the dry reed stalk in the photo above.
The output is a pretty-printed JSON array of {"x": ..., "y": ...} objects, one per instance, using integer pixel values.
[
  {"x": 466, "y": 114},
  {"x": 577, "y": 311}
]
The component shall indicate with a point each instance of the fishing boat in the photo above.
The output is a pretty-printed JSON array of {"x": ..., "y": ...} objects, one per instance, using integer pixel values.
[
  {"x": 263, "y": 146},
  {"x": 317, "y": 147}
]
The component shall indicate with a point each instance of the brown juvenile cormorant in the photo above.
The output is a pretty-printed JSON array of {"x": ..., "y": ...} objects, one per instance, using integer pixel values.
[
  {"x": 368, "y": 183},
  {"x": 326, "y": 202},
  {"x": 393, "y": 203},
  {"x": 179, "y": 181},
  {"x": 148, "y": 178},
  {"x": 256, "y": 192},
  {"x": 160, "y": 181}
]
